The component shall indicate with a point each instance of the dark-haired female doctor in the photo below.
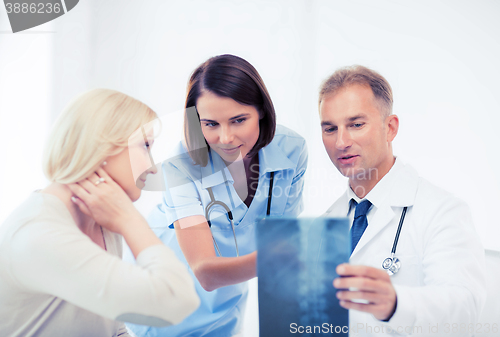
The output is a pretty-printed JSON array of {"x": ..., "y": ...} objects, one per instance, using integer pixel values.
[{"x": 231, "y": 149}]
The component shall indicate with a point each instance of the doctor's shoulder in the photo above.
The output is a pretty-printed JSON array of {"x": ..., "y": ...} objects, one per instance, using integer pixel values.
[
  {"x": 284, "y": 134},
  {"x": 290, "y": 142},
  {"x": 180, "y": 164},
  {"x": 435, "y": 207}
]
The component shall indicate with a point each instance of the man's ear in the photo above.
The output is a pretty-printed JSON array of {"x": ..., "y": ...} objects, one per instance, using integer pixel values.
[{"x": 392, "y": 123}]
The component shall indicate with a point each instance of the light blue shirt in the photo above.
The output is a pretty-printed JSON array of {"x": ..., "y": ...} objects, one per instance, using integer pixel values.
[{"x": 221, "y": 310}]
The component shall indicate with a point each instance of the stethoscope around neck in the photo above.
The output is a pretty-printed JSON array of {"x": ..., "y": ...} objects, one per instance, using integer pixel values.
[
  {"x": 214, "y": 203},
  {"x": 392, "y": 264}
]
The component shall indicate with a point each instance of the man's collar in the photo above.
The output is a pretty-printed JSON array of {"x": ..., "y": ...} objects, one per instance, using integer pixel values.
[{"x": 381, "y": 191}]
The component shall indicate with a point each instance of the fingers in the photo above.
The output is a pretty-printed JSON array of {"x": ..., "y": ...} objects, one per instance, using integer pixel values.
[
  {"x": 92, "y": 182},
  {"x": 360, "y": 283},
  {"x": 370, "y": 297},
  {"x": 370, "y": 308},
  {"x": 362, "y": 271},
  {"x": 85, "y": 189},
  {"x": 381, "y": 307},
  {"x": 363, "y": 278},
  {"x": 102, "y": 173},
  {"x": 81, "y": 205},
  {"x": 81, "y": 194},
  {"x": 78, "y": 191},
  {"x": 89, "y": 184},
  {"x": 368, "y": 284}
]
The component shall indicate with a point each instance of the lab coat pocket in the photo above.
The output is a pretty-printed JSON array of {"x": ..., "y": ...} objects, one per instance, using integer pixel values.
[{"x": 410, "y": 271}]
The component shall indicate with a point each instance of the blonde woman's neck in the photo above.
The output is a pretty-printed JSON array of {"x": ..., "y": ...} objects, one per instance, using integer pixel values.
[{"x": 62, "y": 192}]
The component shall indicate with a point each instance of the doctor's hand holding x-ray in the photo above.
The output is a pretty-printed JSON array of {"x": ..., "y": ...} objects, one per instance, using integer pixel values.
[
  {"x": 372, "y": 284},
  {"x": 433, "y": 278}
]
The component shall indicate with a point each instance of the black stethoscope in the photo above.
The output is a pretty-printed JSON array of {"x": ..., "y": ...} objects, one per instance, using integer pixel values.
[
  {"x": 213, "y": 203},
  {"x": 392, "y": 264}
]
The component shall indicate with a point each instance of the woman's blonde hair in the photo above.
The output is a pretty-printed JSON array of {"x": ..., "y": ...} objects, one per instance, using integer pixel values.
[{"x": 94, "y": 126}]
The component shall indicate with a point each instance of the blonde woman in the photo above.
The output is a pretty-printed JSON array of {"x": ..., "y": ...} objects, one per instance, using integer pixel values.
[{"x": 61, "y": 272}]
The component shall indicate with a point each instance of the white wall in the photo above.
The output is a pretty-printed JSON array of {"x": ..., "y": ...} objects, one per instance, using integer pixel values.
[{"x": 26, "y": 94}]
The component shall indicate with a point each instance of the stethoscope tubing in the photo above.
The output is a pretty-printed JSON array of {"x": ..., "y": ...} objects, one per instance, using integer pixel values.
[
  {"x": 396, "y": 239},
  {"x": 213, "y": 203},
  {"x": 270, "y": 196},
  {"x": 392, "y": 264}
]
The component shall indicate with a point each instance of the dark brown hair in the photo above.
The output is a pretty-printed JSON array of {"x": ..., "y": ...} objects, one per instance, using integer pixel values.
[
  {"x": 233, "y": 77},
  {"x": 356, "y": 74}
]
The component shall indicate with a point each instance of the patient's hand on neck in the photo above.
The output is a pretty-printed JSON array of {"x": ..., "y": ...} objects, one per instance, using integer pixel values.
[{"x": 84, "y": 222}]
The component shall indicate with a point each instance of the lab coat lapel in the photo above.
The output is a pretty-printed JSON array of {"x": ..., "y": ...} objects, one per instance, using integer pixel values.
[
  {"x": 381, "y": 218},
  {"x": 339, "y": 208},
  {"x": 215, "y": 172},
  {"x": 401, "y": 193},
  {"x": 405, "y": 188}
]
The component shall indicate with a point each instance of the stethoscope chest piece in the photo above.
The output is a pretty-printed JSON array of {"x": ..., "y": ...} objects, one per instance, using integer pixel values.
[{"x": 391, "y": 265}]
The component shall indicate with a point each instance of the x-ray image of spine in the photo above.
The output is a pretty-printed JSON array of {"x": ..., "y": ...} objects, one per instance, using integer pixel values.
[{"x": 296, "y": 266}]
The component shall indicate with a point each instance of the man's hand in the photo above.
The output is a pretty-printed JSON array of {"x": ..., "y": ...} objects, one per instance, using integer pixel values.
[{"x": 371, "y": 285}]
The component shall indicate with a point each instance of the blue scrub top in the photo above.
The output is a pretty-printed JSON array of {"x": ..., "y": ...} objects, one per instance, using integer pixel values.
[{"x": 221, "y": 311}]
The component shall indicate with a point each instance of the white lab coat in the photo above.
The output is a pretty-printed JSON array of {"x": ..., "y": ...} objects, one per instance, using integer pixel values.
[{"x": 441, "y": 287}]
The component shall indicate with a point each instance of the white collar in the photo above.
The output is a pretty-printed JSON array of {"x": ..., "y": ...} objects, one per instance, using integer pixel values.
[
  {"x": 397, "y": 188},
  {"x": 378, "y": 193}
]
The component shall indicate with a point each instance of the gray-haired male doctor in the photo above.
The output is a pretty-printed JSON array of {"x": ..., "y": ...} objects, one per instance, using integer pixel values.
[{"x": 439, "y": 288}]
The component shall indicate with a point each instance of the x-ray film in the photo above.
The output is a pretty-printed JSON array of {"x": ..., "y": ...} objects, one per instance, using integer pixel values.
[{"x": 296, "y": 263}]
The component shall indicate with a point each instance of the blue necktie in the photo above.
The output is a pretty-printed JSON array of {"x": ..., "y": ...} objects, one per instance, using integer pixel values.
[{"x": 360, "y": 222}]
